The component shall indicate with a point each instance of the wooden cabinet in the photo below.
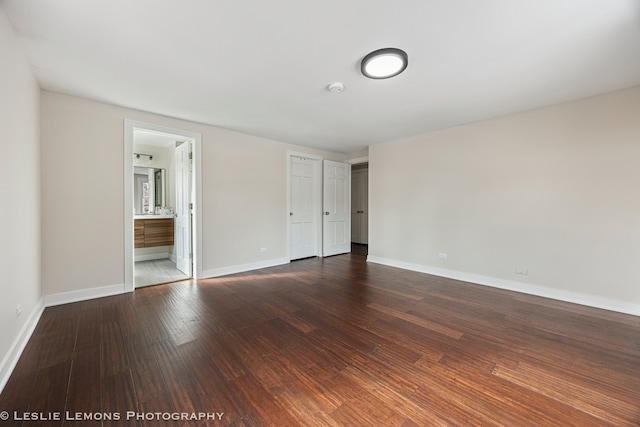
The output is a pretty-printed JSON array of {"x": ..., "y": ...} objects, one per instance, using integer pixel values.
[
  {"x": 138, "y": 233},
  {"x": 153, "y": 232}
]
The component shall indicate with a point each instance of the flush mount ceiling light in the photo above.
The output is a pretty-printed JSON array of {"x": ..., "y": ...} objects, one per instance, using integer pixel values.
[{"x": 384, "y": 63}]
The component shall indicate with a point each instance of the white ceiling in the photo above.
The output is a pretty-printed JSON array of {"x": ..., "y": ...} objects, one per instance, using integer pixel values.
[{"x": 262, "y": 67}]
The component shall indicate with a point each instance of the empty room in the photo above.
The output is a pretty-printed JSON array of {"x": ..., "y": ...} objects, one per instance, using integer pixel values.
[{"x": 287, "y": 213}]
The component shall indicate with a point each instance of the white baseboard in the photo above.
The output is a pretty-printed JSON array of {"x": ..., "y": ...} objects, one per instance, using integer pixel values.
[
  {"x": 526, "y": 288},
  {"x": 82, "y": 295},
  {"x": 241, "y": 268},
  {"x": 151, "y": 257},
  {"x": 16, "y": 349}
]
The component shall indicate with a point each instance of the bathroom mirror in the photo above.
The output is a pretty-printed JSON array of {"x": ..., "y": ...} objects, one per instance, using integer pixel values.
[{"x": 148, "y": 190}]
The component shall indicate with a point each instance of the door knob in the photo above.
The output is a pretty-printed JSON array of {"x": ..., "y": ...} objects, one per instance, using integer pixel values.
[
  {"x": 326, "y": 213},
  {"x": 290, "y": 213}
]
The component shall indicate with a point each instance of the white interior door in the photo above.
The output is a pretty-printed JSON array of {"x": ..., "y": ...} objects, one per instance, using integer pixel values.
[
  {"x": 304, "y": 210},
  {"x": 337, "y": 208},
  {"x": 183, "y": 209}
]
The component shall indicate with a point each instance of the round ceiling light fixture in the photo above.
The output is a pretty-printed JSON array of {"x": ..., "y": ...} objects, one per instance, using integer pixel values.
[{"x": 384, "y": 63}]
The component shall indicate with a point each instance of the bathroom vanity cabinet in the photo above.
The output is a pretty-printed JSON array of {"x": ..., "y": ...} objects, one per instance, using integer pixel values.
[{"x": 150, "y": 232}]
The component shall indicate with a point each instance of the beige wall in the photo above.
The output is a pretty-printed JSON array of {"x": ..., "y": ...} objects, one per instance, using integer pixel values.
[
  {"x": 19, "y": 193},
  {"x": 243, "y": 186},
  {"x": 555, "y": 191}
]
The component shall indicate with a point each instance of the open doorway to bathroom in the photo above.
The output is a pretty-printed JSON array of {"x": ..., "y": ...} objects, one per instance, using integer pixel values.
[
  {"x": 161, "y": 182},
  {"x": 155, "y": 194}
]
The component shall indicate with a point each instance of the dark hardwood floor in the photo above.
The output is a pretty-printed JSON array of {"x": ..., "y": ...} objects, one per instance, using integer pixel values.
[{"x": 329, "y": 342}]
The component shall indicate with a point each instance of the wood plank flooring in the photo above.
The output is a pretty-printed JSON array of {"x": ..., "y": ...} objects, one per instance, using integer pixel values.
[{"x": 330, "y": 342}]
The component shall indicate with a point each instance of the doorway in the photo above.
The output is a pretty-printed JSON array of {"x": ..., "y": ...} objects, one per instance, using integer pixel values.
[
  {"x": 360, "y": 209},
  {"x": 159, "y": 246},
  {"x": 360, "y": 203}
]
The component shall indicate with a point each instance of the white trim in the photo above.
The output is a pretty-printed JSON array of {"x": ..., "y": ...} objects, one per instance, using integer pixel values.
[
  {"x": 15, "y": 351},
  {"x": 319, "y": 199},
  {"x": 129, "y": 127},
  {"x": 151, "y": 257},
  {"x": 128, "y": 206},
  {"x": 82, "y": 295},
  {"x": 196, "y": 233},
  {"x": 358, "y": 160},
  {"x": 526, "y": 288},
  {"x": 241, "y": 268}
]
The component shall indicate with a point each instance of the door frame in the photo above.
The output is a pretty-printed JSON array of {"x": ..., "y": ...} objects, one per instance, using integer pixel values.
[
  {"x": 130, "y": 126},
  {"x": 318, "y": 187}
]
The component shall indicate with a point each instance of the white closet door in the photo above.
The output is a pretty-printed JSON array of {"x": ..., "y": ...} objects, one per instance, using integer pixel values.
[
  {"x": 337, "y": 208},
  {"x": 305, "y": 212}
]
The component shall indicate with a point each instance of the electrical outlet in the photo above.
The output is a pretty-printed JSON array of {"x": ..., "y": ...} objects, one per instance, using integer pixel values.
[
  {"x": 521, "y": 270},
  {"x": 18, "y": 310},
  {"x": 442, "y": 255},
  {"x": 262, "y": 250}
]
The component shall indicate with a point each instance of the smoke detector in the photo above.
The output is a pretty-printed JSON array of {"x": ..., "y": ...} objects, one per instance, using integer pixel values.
[{"x": 335, "y": 87}]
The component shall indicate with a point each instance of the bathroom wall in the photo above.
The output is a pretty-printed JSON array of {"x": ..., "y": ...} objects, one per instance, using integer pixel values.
[{"x": 163, "y": 158}]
